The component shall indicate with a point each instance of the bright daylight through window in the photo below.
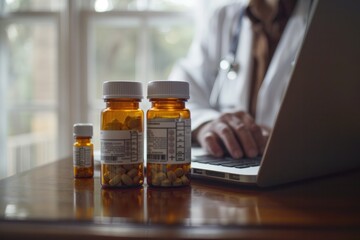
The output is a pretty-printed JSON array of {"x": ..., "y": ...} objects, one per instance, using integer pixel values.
[{"x": 55, "y": 55}]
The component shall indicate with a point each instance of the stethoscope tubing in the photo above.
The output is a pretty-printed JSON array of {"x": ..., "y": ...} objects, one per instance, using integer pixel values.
[{"x": 228, "y": 67}]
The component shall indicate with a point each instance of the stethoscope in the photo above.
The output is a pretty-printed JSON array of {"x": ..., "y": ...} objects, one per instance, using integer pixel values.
[{"x": 228, "y": 66}]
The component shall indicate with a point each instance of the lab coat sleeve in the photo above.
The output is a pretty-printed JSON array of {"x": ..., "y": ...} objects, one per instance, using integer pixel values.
[
  {"x": 201, "y": 111},
  {"x": 200, "y": 67}
]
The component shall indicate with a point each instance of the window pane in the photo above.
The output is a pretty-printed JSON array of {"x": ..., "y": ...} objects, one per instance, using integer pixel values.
[
  {"x": 31, "y": 139},
  {"x": 32, "y": 122},
  {"x": 32, "y": 5},
  {"x": 32, "y": 64},
  {"x": 169, "y": 44},
  {"x": 115, "y": 54},
  {"x": 31, "y": 79},
  {"x": 140, "y": 5},
  {"x": 173, "y": 5},
  {"x": 110, "y": 5}
]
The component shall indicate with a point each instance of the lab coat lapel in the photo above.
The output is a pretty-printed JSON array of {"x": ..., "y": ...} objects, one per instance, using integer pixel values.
[
  {"x": 279, "y": 72},
  {"x": 234, "y": 95}
]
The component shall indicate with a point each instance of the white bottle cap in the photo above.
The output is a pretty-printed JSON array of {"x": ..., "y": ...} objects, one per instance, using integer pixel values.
[
  {"x": 168, "y": 89},
  {"x": 83, "y": 130},
  {"x": 122, "y": 89}
]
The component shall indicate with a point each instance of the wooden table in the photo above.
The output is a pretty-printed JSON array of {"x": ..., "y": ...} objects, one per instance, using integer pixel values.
[{"x": 48, "y": 203}]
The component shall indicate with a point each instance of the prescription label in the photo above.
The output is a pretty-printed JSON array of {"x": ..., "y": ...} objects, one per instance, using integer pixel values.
[
  {"x": 82, "y": 156},
  {"x": 169, "y": 141},
  {"x": 121, "y": 146}
]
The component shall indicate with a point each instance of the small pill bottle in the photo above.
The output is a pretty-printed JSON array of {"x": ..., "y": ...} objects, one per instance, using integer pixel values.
[
  {"x": 168, "y": 134},
  {"x": 83, "y": 151},
  {"x": 121, "y": 135}
]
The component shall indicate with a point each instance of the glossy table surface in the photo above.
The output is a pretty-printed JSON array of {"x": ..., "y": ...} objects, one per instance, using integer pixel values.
[{"x": 47, "y": 202}]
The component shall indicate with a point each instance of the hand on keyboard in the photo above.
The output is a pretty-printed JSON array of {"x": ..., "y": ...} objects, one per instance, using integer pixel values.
[{"x": 233, "y": 133}]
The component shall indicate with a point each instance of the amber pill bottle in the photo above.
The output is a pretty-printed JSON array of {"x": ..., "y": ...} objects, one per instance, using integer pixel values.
[
  {"x": 168, "y": 134},
  {"x": 121, "y": 135},
  {"x": 83, "y": 151}
]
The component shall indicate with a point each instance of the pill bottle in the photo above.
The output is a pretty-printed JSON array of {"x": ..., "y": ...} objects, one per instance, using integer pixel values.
[
  {"x": 168, "y": 134},
  {"x": 83, "y": 151},
  {"x": 121, "y": 135}
]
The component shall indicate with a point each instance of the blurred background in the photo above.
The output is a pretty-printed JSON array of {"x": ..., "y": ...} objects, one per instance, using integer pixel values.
[{"x": 55, "y": 55}]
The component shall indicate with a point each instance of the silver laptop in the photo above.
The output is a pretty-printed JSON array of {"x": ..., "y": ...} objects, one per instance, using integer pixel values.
[{"x": 317, "y": 131}]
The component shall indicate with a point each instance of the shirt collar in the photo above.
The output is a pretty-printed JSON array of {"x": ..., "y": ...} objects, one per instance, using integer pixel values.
[{"x": 283, "y": 11}]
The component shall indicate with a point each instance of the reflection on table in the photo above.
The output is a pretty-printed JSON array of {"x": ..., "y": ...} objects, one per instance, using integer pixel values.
[{"x": 48, "y": 201}]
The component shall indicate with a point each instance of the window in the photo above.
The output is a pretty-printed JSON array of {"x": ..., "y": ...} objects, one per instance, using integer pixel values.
[
  {"x": 29, "y": 79},
  {"x": 55, "y": 55}
]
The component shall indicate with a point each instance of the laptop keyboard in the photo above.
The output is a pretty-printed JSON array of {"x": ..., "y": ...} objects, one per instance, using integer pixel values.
[{"x": 228, "y": 161}]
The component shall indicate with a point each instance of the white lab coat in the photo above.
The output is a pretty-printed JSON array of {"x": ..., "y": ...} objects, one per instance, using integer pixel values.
[{"x": 200, "y": 67}]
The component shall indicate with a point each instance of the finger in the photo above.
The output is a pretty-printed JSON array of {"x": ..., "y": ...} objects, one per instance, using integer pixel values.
[
  {"x": 256, "y": 132},
  {"x": 241, "y": 126},
  {"x": 228, "y": 138},
  {"x": 260, "y": 139},
  {"x": 247, "y": 141},
  {"x": 245, "y": 118},
  {"x": 211, "y": 144}
]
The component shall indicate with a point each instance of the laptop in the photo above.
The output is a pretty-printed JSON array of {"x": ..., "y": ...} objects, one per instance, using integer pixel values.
[{"x": 317, "y": 130}]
